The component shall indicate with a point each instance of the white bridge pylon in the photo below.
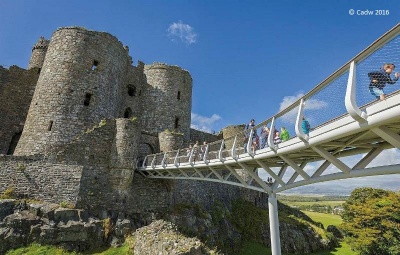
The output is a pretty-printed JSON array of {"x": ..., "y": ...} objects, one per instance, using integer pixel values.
[{"x": 366, "y": 131}]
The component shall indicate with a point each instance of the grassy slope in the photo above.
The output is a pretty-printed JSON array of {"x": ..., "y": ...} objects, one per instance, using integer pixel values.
[
  {"x": 252, "y": 248},
  {"x": 36, "y": 249},
  {"x": 331, "y": 203},
  {"x": 325, "y": 219}
]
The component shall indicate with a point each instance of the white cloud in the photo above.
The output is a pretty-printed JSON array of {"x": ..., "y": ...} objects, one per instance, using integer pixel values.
[
  {"x": 311, "y": 104},
  {"x": 182, "y": 31},
  {"x": 203, "y": 123}
]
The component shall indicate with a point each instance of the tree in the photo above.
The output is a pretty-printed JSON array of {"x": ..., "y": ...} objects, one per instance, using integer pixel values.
[{"x": 371, "y": 221}]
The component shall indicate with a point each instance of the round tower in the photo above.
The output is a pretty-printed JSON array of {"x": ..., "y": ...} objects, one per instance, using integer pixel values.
[
  {"x": 170, "y": 141},
  {"x": 233, "y": 130},
  {"x": 80, "y": 83},
  {"x": 38, "y": 53},
  {"x": 167, "y": 101}
]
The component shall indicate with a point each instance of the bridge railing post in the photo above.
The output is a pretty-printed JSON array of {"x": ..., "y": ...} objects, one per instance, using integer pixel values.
[
  {"x": 153, "y": 162},
  {"x": 176, "y": 160},
  {"x": 205, "y": 156},
  {"x": 350, "y": 98},
  {"x": 274, "y": 224},
  {"x": 299, "y": 131},
  {"x": 250, "y": 143},
  {"x": 144, "y": 162},
  {"x": 191, "y": 155},
  {"x": 271, "y": 135},
  {"x": 233, "y": 150},
  {"x": 221, "y": 149},
  {"x": 163, "y": 164}
]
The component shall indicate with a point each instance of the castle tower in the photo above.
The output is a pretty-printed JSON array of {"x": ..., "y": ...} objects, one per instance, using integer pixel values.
[
  {"x": 167, "y": 101},
  {"x": 81, "y": 83},
  {"x": 38, "y": 53}
]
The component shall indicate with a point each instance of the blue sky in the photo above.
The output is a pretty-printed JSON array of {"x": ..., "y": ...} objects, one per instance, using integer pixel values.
[{"x": 246, "y": 58}]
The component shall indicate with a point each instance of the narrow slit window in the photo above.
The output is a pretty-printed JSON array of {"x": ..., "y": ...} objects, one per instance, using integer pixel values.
[
  {"x": 140, "y": 92},
  {"x": 88, "y": 97},
  {"x": 95, "y": 64},
  {"x": 50, "y": 125},
  {"x": 38, "y": 71},
  {"x": 179, "y": 95},
  {"x": 131, "y": 90},
  {"x": 128, "y": 113},
  {"x": 176, "y": 122}
]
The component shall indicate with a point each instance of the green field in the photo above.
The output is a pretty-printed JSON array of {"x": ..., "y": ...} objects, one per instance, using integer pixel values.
[
  {"x": 296, "y": 203},
  {"x": 36, "y": 249},
  {"x": 325, "y": 219}
]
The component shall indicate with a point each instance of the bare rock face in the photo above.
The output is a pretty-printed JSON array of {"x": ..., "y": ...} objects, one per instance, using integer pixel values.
[
  {"x": 162, "y": 237},
  {"x": 23, "y": 224}
]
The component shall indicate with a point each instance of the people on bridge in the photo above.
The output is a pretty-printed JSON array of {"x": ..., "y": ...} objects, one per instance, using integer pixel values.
[
  {"x": 264, "y": 136},
  {"x": 284, "y": 134},
  {"x": 203, "y": 150},
  {"x": 189, "y": 150},
  {"x": 195, "y": 151},
  {"x": 380, "y": 78},
  {"x": 254, "y": 138},
  {"x": 305, "y": 126},
  {"x": 277, "y": 138}
]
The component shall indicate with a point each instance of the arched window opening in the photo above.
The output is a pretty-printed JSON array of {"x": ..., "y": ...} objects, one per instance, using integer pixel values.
[
  {"x": 177, "y": 122},
  {"x": 50, "y": 126},
  {"x": 13, "y": 143},
  {"x": 179, "y": 95},
  {"x": 88, "y": 97},
  {"x": 131, "y": 90},
  {"x": 128, "y": 113},
  {"x": 95, "y": 64}
]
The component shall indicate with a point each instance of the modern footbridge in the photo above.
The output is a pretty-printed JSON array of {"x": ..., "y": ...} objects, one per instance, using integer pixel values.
[{"x": 345, "y": 119}]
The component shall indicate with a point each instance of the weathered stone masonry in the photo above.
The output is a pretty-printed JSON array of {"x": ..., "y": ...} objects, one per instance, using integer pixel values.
[{"x": 86, "y": 116}]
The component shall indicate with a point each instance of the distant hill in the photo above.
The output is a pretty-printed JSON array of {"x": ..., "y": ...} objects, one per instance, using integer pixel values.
[{"x": 345, "y": 187}]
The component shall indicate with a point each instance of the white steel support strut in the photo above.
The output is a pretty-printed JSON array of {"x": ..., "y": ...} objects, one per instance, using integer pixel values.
[
  {"x": 274, "y": 224},
  {"x": 336, "y": 162},
  {"x": 390, "y": 136}
]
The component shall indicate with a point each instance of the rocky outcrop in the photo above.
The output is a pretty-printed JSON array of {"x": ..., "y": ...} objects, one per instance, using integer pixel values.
[
  {"x": 48, "y": 224},
  {"x": 184, "y": 229},
  {"x": 164, "y": 236}
]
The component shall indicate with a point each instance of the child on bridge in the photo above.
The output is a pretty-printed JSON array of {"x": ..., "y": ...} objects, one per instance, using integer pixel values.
[{"x": 380, "y": 78}]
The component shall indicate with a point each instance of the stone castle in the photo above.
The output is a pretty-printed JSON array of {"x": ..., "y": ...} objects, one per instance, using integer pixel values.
[{"x": 75, "y": 123}]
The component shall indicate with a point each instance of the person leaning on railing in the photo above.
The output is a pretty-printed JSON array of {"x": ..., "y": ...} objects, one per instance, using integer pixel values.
[
  {"x": 380, "y": 78},
  {"x": 284, "y": 134}
]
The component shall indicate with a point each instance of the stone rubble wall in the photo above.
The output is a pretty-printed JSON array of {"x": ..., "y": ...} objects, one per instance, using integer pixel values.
[
  {"x": 197, "y": 135},
  {"x": 16, "y": 90},
  {"x": 36, "y": 178}
]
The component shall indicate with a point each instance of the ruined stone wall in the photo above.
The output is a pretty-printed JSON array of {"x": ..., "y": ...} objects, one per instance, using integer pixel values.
[
  {"x": 125, "y": 146},
  {"x": 16, "y": 90},
  {"x": 170, "y": 141},
  {"x": 207, "y": 193},
  {"x": 167, "y": 99},
  {"x": 149, "y": 144},
  {"x": 80, "y": 84},
  {"x": 39, "y": 179},
  {"x": 196, "y": 135},
  {"x": 38, "y": 53},
  {"x": 132, "y": 93}
]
